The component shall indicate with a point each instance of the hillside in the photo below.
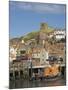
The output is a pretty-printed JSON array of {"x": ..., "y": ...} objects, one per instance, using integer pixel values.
[
  {"x": 29, "y": 36},
  {"x": 32, "y": 35}
]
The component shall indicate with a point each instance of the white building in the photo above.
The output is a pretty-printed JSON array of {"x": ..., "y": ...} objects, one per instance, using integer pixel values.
[
  {"x": 12, "y": 54},
  {"x": 40, "y": 56},
  {"x": 59, "y": 34},
  {"x": 43, "y": 56}
]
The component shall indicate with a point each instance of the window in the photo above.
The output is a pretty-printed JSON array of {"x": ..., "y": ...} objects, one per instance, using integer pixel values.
[{"x": 22, "y": 51}]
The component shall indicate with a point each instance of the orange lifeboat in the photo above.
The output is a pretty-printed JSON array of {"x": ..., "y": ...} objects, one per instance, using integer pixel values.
[
  {"x": 51, "y": 71},
  {"x": 55, "y": 70},
  {"x": 46, "y": 71}
]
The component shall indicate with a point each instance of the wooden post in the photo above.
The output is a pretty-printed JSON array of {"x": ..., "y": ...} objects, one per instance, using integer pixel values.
[
  {"x": 13, "y": 72},
  {"x": 19, "y": 70}
]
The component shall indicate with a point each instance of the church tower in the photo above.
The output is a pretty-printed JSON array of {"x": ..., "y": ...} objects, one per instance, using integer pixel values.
[
  {"x": 44, "y": 26},
  {"x": 43, "y": 34}
]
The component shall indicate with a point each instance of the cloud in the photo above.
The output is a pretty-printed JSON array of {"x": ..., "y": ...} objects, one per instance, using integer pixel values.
[{"x": 39, "y": 7}]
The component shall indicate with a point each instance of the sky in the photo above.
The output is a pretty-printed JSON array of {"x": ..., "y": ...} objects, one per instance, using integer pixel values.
[{"x": 25, "y": 17}]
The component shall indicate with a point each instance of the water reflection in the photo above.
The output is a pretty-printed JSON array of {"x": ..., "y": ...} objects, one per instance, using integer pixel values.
[{"x": 37, "y": 83}]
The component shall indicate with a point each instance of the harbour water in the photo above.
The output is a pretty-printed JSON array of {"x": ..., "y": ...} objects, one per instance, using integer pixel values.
[{"x": 60, "y": 81}]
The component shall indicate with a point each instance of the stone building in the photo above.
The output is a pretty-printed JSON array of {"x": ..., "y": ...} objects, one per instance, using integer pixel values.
[
  {"x": 43, "y": 33},
  {"x": 44, "y": 26}
]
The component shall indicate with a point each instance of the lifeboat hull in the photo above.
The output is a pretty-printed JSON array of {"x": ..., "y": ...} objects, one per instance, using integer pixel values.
[{"x": 51, "y": 72}]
